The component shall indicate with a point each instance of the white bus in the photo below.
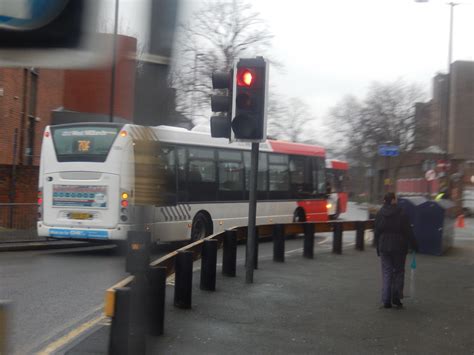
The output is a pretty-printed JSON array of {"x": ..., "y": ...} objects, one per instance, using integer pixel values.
[{"x": 98, "y": 181}]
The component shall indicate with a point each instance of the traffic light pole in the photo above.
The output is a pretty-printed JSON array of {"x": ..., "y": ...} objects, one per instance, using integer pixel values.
[{"x": 251, "y": 238}]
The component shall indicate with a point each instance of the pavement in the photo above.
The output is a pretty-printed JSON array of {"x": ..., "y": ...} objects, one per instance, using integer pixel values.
[{"x": 327, "y": 305}]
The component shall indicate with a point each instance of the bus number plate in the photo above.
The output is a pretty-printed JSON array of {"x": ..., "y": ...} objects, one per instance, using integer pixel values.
[{"x": 77, "y": 215}]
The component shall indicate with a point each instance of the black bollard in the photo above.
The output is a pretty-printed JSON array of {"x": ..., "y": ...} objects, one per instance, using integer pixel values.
[
  {"x": 229, "y": 254},
  {"x": 138, "y": 314},
  {"x": 308, "y": 244},
  {"x": 360, "y": 229},
  {"x": 337, "y": 238},
  {"x": 119, "y": 329},
  {"x": 279, "y": 243},
  {"x": 156, "y": 300},
  {"x": 208, "y": 265},
  {"x": 255, "y": 255},
  {"x": 5, "y": 326},
  {"x": 183, "y": 283}
]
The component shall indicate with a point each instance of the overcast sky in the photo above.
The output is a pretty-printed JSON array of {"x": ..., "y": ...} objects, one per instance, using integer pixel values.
[{"x": 333, "y": 48}]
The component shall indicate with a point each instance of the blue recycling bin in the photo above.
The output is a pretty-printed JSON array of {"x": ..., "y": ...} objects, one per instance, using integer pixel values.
[
  {"x": 411, "y": 207},
  {"x": 436, "y": 219}
]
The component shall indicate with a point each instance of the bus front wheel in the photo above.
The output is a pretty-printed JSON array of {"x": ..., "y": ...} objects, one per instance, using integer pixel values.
[
  {"x": 299, "y": 215},
  {"x": 201, "y": 227}
]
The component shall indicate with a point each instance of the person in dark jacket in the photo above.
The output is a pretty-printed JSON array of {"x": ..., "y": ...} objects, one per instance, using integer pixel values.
[{"x": 393, "y": 237}]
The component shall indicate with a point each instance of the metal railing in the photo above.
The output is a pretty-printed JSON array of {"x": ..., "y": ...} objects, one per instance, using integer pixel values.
[
  {"x": 125, "y": 302},
  {"x": 18, "y": 221}
]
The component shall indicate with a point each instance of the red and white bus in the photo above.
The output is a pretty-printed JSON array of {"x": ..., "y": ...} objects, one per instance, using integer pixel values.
[
  {"x": 96, "y": 180},
  {"x": 337, "y": 175}
]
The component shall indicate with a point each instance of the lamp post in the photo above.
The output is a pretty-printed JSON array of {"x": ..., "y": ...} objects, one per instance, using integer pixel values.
[
  {"x": 448, "y": 84},
  {"x": 114, "y": 64},
  {"x": 193, "y": 96}
]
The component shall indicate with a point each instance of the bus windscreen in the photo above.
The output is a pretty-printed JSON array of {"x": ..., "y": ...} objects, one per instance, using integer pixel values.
[{"x": 83, "y": 143}]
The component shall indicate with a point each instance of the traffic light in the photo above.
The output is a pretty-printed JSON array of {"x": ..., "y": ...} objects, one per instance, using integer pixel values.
[
  {"x": 220, "y": 124},
  {"x": 250, "y": 99}
]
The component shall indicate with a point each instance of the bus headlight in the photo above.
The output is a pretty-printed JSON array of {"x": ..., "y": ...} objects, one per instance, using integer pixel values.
[{"x": 328, "y": 206}]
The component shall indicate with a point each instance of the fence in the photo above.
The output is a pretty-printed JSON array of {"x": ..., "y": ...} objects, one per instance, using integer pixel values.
[{"x": 18, "y": 221}]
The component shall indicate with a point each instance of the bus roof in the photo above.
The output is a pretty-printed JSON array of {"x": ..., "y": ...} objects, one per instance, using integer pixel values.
[
  {"x": 170, "y": 134},
  {"x": 297, "y": 148}
]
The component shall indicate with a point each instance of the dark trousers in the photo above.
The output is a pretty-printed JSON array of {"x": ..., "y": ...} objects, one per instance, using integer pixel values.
[{"x": 393, "y": 276}]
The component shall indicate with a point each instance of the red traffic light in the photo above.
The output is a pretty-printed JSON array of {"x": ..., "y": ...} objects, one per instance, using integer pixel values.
[{"x": 245, "y": 77}]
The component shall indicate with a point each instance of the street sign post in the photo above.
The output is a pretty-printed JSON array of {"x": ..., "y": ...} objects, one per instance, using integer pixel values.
[{"x": 389, "y": 150}]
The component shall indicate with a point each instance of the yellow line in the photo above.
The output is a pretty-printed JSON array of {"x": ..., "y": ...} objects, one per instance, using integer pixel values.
[{"x": 70, "y": 336}]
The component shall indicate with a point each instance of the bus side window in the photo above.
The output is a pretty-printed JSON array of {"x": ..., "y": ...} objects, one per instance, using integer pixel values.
[
  {"x": 279, "y": 179},
  {"x": 319, "y": 176},
  {"x": 181, "y": 174},
  {"x": 231, "y": 175},
  {"x": 300, "y": 177},
  {"x": 262, "y": 177},
  {"x": 202, "y": 182},
  {"x": 169, "y": 172}
]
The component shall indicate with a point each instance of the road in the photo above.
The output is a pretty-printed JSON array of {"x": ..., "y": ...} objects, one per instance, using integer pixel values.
[{"x": 52, "y": 292}]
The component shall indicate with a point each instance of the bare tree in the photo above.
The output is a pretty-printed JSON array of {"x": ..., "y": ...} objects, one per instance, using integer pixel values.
[
  {"x": 290, "y": 120},
  {"x": 385, "y": 115},
  {"x": 218, "y": 33}
]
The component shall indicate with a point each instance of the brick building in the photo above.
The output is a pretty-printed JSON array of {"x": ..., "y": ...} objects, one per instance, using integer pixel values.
[
  {"x": 443, "y": 141},
  {"x": 32, "y": 98}
]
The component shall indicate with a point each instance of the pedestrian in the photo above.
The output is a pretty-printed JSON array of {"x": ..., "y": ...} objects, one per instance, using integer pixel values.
[{"x": 393, "y": 237}]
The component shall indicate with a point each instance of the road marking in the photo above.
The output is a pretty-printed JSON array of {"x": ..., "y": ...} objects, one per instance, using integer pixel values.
[
  {"x": 73, "y": 334},
  {"x": 324, "y": 240}
]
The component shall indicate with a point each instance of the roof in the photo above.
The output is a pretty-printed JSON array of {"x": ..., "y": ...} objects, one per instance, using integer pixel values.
[{"x": 433, "y": 149}]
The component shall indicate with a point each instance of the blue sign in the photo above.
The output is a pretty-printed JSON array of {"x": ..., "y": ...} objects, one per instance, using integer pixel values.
[
  {"x": 73, "y": 233},
  {"x": 24, "y": 15},
  {"x": 389, "y": 151}
]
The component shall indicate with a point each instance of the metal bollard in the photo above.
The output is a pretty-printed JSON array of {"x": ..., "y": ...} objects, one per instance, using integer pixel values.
[
  {"x": 138, "y": 314},
  {"x": 255, "y": 256},
  {"x": 156, "y": 300},
  {"x": 208, "y": 265},
  {"x": 119, "y": 329},
  {"x": 308, "y": 244},
  {"x": 360, "y": 229},
  {"x": 4, "y": 326},
  {"x": 279, "y": 243},
  {"x": 229, "y": 254},
  {"x": 183, "y": 283},
  {"x": 337, "y": 238}
]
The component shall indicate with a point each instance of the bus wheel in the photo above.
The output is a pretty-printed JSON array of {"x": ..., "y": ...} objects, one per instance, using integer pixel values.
[
  {"x": 201, "y": 227},
  {"x": 299, "y": 215}
]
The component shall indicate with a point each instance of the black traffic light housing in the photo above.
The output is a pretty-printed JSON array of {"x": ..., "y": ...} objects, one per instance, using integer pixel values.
[
  {"x": 249, "y": 121},
  {"x": 220, "y": 124}
]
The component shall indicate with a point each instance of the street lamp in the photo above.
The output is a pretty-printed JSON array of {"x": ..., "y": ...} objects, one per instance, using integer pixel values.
[
  {"x": 448, "y": 85},
  {"x": 193, "y": 96}
]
